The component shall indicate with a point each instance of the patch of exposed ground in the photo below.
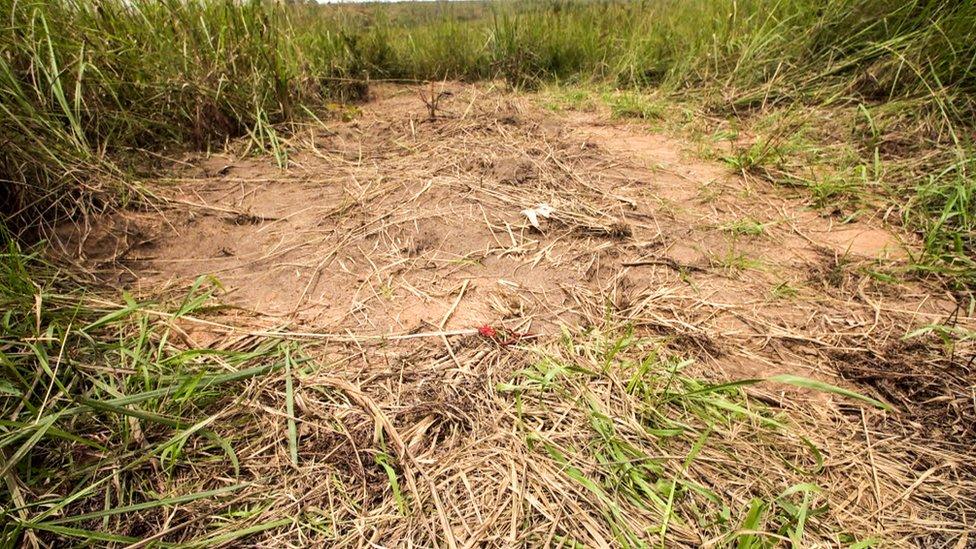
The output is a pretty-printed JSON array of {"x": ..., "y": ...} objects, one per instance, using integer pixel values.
[{"x": 400, "y": 225}]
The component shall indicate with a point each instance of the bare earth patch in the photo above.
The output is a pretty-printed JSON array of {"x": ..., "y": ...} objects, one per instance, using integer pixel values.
[{"x": 390, "y": 239}]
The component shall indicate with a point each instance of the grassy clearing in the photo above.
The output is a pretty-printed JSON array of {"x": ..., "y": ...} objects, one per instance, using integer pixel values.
[
  {"x": 866, "y": 104},
  {"x": 894, "y": 82}
]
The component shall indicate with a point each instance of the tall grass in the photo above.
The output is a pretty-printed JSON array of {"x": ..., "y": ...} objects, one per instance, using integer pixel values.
[
  {"x": 83, "y": 82},
  {"x": 100, "y": 400}
]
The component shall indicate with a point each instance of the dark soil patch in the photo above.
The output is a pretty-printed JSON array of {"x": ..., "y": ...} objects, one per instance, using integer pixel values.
[{"x": 931, "y": 387}]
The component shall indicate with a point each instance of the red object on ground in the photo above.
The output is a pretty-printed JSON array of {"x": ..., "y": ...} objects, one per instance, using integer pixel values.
[{"x": 503, "y": 337}]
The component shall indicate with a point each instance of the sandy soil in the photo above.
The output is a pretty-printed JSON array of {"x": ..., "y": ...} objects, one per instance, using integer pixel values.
[
  {"x": 394, "y": 223},
  {"x": 379, "y": 222}
]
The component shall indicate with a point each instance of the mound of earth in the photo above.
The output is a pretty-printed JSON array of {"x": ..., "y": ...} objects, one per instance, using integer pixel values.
[{"x": 389, "y": 239}]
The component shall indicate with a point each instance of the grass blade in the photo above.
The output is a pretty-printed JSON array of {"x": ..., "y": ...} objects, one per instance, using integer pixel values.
[{"x": 290, "y": 409}]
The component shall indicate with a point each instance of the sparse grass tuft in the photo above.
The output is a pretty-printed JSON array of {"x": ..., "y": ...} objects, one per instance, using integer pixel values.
[
  {"x": 784, "y": 290},
  {"x": 735, "y": 261},
  {"x": 633, "y": 105},
  {"x": 561, "y": 98},
  {"x": 745, "y": 227},
  {"x": 944, "y": 209}
]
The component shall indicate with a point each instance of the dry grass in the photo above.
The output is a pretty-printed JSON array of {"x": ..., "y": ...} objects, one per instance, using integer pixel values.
[{"x": 603, "y": 411}]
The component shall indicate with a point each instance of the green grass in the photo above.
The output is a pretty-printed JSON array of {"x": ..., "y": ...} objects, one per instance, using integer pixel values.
[
  {"x": 633, "y": 105},
  {"x": 562, "y": 98},
  {"x": 160, "y": 74},
  {"x": 100, "y": 402},
  {"x": 735, "y": 261},
  {"x": 640, "y": 437},
  {"x": 784, "y": 290},
  {"x": 745, "y": 227}
]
